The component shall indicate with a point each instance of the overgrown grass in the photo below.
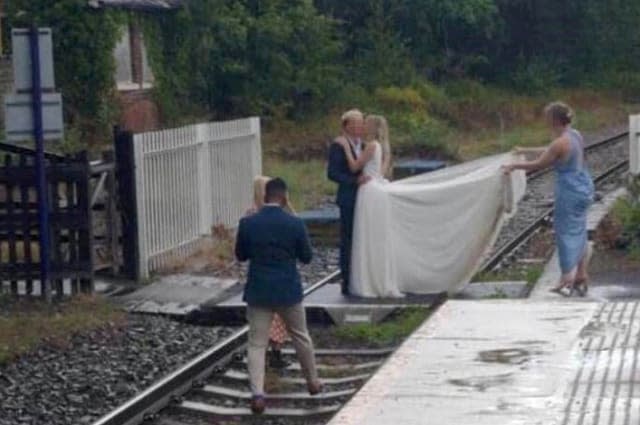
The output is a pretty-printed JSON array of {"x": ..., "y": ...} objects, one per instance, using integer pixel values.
[
  {"x": 24, "y": 325},
  {"x": 463, "y": 119},
  {"x": 387, "y": 333},
  {"x": 307, "y": 181}
]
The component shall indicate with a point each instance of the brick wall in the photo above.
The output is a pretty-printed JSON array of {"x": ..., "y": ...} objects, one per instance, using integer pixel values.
[
  {"x": 6, "y": 83},
  {"x": 139, "y": 111}
]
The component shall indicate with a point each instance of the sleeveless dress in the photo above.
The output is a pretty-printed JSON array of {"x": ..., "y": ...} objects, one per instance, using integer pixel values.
[
  {"x": 373, "y": 168},
  {"x": 574, "y": 191},
  {"x": 361, "y": 285}
]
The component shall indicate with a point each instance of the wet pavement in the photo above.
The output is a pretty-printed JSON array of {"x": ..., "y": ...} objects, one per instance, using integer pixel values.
[{"x": 546, "y": 360}]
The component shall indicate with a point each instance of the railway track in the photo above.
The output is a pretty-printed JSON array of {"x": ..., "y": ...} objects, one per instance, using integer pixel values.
[
  {"x": 536, "y": 209},
  {"x": 213, "y": 385}
]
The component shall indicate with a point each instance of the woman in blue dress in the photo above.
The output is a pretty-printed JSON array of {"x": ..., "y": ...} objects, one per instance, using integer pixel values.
[{"x": 573, "y": 195}]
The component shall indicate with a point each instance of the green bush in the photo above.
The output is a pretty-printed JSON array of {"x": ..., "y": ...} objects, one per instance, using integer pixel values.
[
  {"x": 435, "y": 97},
  {"x": 400, "y": 98},
  {"x": 423, "y": 132},
  {"x": 627, "y": 211},
  {"x": 536, "y": 76},
  {"x": 628, "y": 82}
]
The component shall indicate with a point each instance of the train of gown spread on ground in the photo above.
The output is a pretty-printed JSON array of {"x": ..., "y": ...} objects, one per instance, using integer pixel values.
[{"x": 430, "y": 233}]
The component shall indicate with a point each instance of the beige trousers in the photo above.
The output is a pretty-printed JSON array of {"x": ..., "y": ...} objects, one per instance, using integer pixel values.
[{"x": 259, "y": 324}]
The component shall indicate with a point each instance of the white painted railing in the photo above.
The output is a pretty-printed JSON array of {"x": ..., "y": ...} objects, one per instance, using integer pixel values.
[
  {"x": 188, "y": 180},
  {"x": 634, "y": 144}
]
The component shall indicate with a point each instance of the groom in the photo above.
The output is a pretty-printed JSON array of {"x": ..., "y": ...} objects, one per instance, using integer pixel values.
[{"x": 338, "y": 171}]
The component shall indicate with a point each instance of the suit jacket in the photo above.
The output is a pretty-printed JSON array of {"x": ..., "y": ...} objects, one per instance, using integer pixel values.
[
  {"x": 273, "y": 240},
  {"x": 338, "y": 171}
]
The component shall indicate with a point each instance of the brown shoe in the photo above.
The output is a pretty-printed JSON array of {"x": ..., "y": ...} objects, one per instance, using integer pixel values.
[
  {"x": 314, "y": 388},
  {"x": 258, "y": 404}
]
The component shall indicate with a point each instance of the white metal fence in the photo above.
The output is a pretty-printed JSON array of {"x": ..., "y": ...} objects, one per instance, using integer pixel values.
[{"x": 188, "y": 180}]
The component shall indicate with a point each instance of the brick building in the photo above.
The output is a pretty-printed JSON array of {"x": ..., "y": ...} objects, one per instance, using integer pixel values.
[{"x": 134, "y": 77}]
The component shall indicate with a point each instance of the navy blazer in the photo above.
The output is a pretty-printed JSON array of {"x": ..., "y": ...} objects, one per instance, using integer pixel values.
[
  {"x": 338, "y": 171},
  {"x": 273, "y": 240}
]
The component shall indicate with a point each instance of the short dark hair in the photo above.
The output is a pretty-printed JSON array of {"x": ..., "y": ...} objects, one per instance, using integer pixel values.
[{"x": 275, "y": 188}]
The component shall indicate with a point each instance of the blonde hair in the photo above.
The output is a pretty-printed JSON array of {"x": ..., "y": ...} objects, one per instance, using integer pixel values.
[
  {"x": 352, "y": 114},
  {"x": 382, "y": 136},
  {"x": 259, "y": 191},
  {"x": 559, "y": 112}
]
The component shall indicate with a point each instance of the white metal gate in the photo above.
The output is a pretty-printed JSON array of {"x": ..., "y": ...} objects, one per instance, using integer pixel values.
[{"x": 189, "y": 179}]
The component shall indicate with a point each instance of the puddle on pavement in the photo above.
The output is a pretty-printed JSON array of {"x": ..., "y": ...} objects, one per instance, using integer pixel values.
[
  {"x": 511, "y": 356},
  {"x": 482, "y": 383},
  {"x": 595, "y": 329}
]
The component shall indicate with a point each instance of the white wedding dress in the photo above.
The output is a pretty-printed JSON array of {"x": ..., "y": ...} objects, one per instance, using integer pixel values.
[{"x": 429, "y": 233}]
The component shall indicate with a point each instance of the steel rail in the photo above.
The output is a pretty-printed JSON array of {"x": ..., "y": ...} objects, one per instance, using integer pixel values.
[
  {"x": 160, "y": 394},
  {"x": 526, "y": 233},
  {"x": 173, "y": 386}
]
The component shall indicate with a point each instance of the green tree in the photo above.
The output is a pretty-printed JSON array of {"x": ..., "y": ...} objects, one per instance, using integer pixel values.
[{"x": 233, "y": 58}]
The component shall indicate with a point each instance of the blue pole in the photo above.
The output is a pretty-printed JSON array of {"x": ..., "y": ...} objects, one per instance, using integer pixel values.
[{"x": 38, "y": 133}]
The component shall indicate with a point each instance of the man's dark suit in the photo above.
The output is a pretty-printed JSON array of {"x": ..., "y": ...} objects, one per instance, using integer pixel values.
[
  {"x": 338, "y": 171},
  {"x": 273, "y": 240}
]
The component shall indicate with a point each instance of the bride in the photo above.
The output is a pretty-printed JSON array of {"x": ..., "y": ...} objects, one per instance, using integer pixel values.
[
  {"x": 375, "y": 163},
  {"x": 375, "y": 159}
]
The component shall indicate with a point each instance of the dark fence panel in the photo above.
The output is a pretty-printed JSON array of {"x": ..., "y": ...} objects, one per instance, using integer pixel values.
[
  {"x": 126, "y": 178},
  {"x": 70, "y": 217}
]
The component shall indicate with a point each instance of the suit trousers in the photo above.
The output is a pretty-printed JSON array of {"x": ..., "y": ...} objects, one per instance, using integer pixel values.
[
  {"x": 346, "y": 237},
  {"x": 259, "y": 324}
]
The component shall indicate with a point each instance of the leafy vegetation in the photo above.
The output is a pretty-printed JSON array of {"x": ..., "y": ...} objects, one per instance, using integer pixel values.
[
  {"x": 83, "y": 44},
  {"x": 626, "y": 213},
  {"x": 447, "y": 73},
  {"x": 387, "y": 333}
]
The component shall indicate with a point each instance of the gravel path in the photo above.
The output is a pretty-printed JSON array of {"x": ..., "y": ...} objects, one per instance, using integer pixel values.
[{"x": 77, "y": 384}]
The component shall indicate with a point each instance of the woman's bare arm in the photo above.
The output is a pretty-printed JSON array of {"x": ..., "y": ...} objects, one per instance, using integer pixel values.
[
  {"x": 356, "y": 165},
  {"x": 551, "y": 154},
  {"x": 538, "y": 149}
]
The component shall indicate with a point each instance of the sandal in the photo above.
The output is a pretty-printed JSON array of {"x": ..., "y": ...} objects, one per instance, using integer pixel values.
[
  {"x": 582, "y": 286},
  {"x": 561, "y": 290}
]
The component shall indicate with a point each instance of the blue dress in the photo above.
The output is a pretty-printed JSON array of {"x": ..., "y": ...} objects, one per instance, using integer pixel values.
[{"x": 573, "y": 195}]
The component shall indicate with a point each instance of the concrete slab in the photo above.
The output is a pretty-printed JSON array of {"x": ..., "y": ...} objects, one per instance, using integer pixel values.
[
  {"x": 323, "y": 224},
  {"x": 476, "y": 363},
  {"x": 320, "y": 216},
  {"x": 326, "y": 304},
  {"x": 551, "y": 274},
  {"x": 412, "y": 167},
  {"x": 177, "y": 294}
]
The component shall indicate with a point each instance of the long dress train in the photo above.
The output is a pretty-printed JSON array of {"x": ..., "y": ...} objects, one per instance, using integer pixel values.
[{"x": 430, "y": 233}]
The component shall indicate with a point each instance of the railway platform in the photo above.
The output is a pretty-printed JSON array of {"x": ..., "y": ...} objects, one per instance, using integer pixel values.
[
  {"x": 510, "y": 362},
  {"x": 544, "y": 360}
]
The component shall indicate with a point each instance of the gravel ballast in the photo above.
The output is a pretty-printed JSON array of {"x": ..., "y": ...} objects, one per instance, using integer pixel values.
[{"x": 96, "y": 372}]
